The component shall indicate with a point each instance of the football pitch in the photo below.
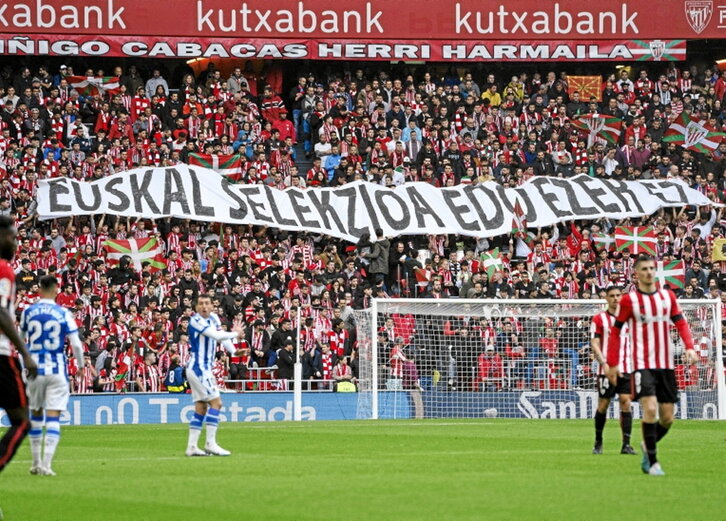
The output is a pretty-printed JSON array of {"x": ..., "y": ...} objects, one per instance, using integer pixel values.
[{"x": 371, "y": 470}]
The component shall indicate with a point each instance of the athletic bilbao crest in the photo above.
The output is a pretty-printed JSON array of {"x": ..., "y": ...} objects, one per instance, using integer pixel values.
[
  {"x": 694, "y": 134},
  {"x": 596, "y": 125},
  {"x": 657, "y": 49},
  {"x": 698, "y": 14}
]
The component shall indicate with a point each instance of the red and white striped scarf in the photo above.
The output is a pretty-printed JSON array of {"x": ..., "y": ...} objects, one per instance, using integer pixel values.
[
  {"x": 308, "y": 338},
  {"x": 327, "y": 366},
  {"x": 256, "y": 340}
]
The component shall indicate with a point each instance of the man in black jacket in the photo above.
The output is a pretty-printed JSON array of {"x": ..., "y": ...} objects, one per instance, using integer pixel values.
[
  {"x": 378, "y": 267},
  {"x": 427, "y": 152},
  {"x": 286, "y": 360},
  {"x": 281, "y": 335},
  {"x": 123, "y": 274},
  {"x": 259, "y": 341}
]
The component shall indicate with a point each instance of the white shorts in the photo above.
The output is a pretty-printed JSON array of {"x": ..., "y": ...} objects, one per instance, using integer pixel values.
[
  {"x": 204, "y": 388},
  {"x": 49, "y": 392}
]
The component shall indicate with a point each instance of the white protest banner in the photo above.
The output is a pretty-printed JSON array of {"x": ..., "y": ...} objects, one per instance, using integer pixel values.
[{"x": 483, "y": 210}]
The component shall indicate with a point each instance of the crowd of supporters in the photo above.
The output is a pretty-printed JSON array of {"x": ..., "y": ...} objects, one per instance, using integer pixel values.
[{"x": 386, "y": 126}]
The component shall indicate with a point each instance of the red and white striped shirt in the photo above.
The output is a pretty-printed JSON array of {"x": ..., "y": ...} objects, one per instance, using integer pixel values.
[
  {"x": 150, "y": 376},
  {"x": 7, "y": 302},
  {"x": 649, "y": 316},
  {"x": 600, "y": 328},
  {"x": 84, "y": 381}
]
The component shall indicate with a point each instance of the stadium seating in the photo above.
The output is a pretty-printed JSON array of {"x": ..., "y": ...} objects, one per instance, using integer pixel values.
[{"x": 450, "y": 133}]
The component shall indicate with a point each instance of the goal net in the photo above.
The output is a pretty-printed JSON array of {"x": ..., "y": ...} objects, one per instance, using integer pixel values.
[{"x": 432, "y": 358}]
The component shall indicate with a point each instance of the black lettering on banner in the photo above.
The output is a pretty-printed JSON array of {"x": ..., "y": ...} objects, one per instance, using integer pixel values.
[
  {"x": 548, "y": 197},
  {"x": 660, "y": 191},
  {"x": 368, "y": 205},
  {"x": 530, "y": 211},
  {"x": 621, "y": 189},
  {"x": 458, "y": 210},
  {"x": 350, "y": 193},
  {"x": 240, "y": 212},
  {"x": 123, "y": 201},
  {"x": 58, "y": 187},
  {"x": 398, "y": 225},
  {"x": 324, "y": 208},
  {"x": 300, "y": 210},
  {"x": 573, "y": 198},
  {"x": 175, "y": 193},
  {"x": 279, "y": 219},
  {"x": 422, "y": 208},
  {"x": 249, "y": 192},
  {"x": 497, "y": 220},
  {"x": 596, "y": 193},
  {"x": 139, "y": 192},
  {"x": 499, "y": 195},
  {"x": 199, "y": 207},
  {"x": 95, "y": 205}
]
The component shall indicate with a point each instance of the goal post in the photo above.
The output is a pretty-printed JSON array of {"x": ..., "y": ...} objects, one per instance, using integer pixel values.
[{"x": 526, "y": 358}]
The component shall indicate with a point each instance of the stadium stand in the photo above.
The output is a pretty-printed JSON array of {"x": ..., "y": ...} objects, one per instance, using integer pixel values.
[{"x": 386, "y": 126}]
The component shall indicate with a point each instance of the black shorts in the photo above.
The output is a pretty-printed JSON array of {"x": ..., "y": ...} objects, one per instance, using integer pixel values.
[
  {"x": 12, "y": 387},
  {"x": 607, "y": 390},
  {"x": 660, "y": 383}
]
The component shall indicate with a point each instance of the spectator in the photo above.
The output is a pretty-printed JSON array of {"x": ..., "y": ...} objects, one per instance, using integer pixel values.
[
  {"x": 153, "y": 84},
  {"x": 259, "y": 341},
  {"x": 313, "y": 369},
  {"x": 342, "y": 372},
  {"x": 491, "y": 370},
  {"x": 286, "y": 362},
  {"x": 237, "y": 83},
  {"x": 175, "y": 381},
  {"x": 453, "y": 128},
  {"x": 378, "y": 258}
]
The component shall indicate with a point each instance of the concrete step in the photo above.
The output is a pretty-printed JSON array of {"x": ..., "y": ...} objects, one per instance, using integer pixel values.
[{"x": 303, "y": 164}]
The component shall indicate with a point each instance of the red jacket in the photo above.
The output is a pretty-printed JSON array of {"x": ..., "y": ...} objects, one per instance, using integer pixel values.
[{"x": 286, "y": 128}]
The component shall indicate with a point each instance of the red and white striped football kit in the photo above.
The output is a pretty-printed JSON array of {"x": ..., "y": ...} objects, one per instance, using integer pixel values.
[
  {"x": 648, "y": 316},
  {"x": 601, "y": 328}
]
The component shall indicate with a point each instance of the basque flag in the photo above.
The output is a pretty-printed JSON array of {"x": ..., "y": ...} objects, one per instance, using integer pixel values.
[
  {"x": 638, "y": 239},
  {"x": 229, "y": 166},
  {"x": 672, "y": 273},
  {"x": 492, "y": 262},
  {"x": 140, "y": 251}
]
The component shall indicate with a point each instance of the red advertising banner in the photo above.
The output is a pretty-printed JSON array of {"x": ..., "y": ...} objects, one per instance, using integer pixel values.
[
  {"x": 323, "y": 49},
  {"x": 455, "y": 20}
]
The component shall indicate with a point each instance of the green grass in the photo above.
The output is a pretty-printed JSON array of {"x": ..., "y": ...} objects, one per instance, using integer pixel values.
[{"x": 385, "y": 470}]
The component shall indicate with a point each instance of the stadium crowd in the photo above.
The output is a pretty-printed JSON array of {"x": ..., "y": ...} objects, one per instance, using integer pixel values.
[{"x": 386, "y": 126}]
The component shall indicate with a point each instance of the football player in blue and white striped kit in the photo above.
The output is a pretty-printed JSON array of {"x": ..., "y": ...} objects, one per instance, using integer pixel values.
[
  {"x": 45, "y": 325},
  {"x": 205, "y": 330}
]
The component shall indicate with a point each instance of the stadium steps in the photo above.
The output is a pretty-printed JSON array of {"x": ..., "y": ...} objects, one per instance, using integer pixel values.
[{"x": 303, "y": 164}]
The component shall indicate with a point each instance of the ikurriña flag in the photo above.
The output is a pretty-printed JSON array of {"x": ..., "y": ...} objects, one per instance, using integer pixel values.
[
  {"x": 229, "y": 166},
  {"x": 603, "y": 241},
  {"x": 638, "y": 239},
  {"x": 492, "y": 262},
  {"x": 90, "y": 85},
  {"x": 672, "y": 273},
  {"x": 139, "y": 250},
  {"x": 693, "y": 134}
]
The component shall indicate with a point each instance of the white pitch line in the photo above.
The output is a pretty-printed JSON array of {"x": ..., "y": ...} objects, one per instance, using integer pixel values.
[
  {"x": 120, "y": 459},
  {"x": 446, "y": 424}
]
